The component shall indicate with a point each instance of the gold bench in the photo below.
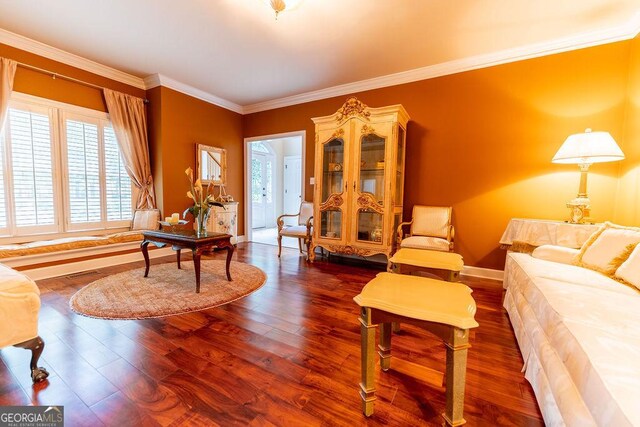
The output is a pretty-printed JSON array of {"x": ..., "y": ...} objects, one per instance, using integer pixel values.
[
  {"x": 444, "y": 309},
  {"x": 408, "y": 260}
]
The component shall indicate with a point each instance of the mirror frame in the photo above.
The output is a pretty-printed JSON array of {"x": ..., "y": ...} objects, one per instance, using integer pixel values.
[{"x": 223, "y": 164}]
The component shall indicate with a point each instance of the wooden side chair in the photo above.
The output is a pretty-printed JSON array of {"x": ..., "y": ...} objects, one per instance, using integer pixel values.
[
  {"x": 303, "y": 231},
  {"x": 430, "y": 229}
]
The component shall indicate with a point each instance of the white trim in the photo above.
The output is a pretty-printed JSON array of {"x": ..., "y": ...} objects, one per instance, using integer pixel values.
[
  {"x": 594, "y": 38},
  {"x": 162, "y": 80},
  {"x": 91, "y": 264},
  {"x": 42, "y": 49},
  {"x": 247, "y": 173},
  {"x": 484, "y": 273},
  {"x": 241, "y": 239}
]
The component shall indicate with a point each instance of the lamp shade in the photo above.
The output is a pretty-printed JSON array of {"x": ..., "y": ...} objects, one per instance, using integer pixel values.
[{"x": 588, "y": 147}]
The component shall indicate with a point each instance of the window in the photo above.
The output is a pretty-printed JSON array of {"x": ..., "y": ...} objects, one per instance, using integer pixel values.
[{"x": 60, "y": 170}]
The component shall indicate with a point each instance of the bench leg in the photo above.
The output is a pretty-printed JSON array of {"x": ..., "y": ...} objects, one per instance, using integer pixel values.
[
  {"x": 384, "y": 348},
  {"x": 367, "y": 361},
  {"x": 36, "y": 345},
  {"x": 454, "y": 276},
  {"x": 395, "y": 327},
  {"x": 457, "y": 347}
]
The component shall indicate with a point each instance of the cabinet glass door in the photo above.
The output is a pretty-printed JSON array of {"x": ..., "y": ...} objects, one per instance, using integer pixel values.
[
  {"x": 370, "y": 187},
  {"x": 332, "y": 190}
]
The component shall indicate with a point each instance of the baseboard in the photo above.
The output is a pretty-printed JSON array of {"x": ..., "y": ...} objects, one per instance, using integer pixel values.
[
  {"x": 91, "y": 264},
  {"x": 241, "y": 239},
  {"x": 484, "y": 273}
]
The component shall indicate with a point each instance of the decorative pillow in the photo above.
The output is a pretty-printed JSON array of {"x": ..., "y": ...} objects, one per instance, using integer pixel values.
[
  {"x": 146, "y": 219},
  {"x": 608, "y": 248},
  {"x": 555, "y": 253},
  {"x": 629, "y": 271}
]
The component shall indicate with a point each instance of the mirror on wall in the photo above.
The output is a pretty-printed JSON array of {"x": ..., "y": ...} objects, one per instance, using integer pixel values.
[{"x": 212, "y": 165}]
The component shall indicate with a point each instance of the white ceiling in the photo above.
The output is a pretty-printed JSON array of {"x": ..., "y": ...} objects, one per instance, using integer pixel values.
[{"x": 237, "y": 51}]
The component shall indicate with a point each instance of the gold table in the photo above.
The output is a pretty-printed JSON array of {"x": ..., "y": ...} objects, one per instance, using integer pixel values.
[
  {"x": 442, "y": 308},
  {"x": 408, "y": 260}
]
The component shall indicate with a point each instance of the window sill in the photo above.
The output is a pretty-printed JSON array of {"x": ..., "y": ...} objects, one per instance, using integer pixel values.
[{"x": 8, "y": 240}]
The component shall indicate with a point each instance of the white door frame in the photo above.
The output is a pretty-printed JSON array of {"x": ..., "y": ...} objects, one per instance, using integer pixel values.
[{"x": 247, "y": 172}]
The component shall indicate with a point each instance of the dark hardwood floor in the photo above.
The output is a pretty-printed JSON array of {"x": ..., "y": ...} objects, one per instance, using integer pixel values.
[{"x": 289, "y": 354}]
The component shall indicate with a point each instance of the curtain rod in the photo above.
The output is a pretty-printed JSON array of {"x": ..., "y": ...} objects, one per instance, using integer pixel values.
[{"x": 55, "y": 75}]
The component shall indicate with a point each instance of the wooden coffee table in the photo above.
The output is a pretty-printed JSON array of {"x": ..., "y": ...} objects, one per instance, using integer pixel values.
[{"x": 187, "y": 239}]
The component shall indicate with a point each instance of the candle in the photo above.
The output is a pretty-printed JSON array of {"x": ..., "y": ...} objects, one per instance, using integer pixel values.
[
  {"x": 175, "y": 218},
  {"x": 167, "y": 219}
]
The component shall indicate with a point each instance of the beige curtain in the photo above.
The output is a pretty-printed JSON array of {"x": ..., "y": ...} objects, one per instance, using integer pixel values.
[
  {"x": 130, "y": 126},
  {"x": 7, "y": 73}
]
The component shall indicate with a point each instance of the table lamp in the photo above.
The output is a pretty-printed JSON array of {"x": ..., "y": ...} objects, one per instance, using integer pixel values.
[{"x": 584, "y": 149}]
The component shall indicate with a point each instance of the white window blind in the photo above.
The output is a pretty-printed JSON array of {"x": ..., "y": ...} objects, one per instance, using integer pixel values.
[
  {"x": 118, "y": 181},
  {"x": 31, "y": 168}
]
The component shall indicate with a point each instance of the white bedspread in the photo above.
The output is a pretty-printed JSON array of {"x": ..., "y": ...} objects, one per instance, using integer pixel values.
[{"x": 579, "y": 333}]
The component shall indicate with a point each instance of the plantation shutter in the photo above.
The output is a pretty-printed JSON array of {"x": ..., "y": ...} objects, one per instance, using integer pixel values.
[
  {"x": 83, "y": 170},
  {"x": 3, "y": 202},
  {"x": 31, "y": 166}
]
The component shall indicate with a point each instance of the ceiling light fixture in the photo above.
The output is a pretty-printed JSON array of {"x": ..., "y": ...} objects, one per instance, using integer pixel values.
[{"x": 281, "y": 5}]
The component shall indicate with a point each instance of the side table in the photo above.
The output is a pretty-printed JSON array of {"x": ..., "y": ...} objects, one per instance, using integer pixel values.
[{"x": 538, "y": 232}]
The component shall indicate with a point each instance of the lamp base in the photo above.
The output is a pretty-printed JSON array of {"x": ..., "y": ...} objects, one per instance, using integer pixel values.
[{"x": 579, "y": 210}]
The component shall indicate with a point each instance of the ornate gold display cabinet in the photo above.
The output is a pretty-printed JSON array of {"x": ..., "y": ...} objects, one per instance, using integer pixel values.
[{"x": 359, "y": 179}]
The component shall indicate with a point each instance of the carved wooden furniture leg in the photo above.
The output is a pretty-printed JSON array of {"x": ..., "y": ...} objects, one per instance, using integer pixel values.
[
  {"x": 367, "y": 361},
  {"x": 177, "y": 256},
  {"x": 457, "y": 348},
  {"x": 196, "y": 267},
  {"x": 36, "y": 345},
  {"x": 308, "y": 243},
  {"x": 279, "y": 245},
  {"x": 145, "y": 254},
  {"x": 230, "y": 250},
  {"x": 300, "y": 245}
]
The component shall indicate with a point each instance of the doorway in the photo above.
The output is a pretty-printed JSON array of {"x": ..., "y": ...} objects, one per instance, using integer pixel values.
[
  {"x": 262, "y": 185},
  {"x": 274, "y": 167}
]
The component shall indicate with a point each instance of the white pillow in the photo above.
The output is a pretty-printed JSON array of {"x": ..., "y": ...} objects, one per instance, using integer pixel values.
[
  {"x": 146, "y": 219},
  {"x": 555, "y": 253},
  {"x": 629, "y": 271},
  {"x": 608, "y": 247}
]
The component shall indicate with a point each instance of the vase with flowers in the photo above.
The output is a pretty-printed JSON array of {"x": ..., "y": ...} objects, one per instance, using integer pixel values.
[{"x": 202, "y": 202}]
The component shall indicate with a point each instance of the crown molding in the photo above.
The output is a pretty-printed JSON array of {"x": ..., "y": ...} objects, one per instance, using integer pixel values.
[
  {"x": 50, "y": 52},
  {"x": 594, "y": 38},
  {"x": 155, "y": 80}
]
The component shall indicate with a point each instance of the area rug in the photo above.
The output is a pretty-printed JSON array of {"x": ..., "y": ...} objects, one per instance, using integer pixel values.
[{"x": 166, "y": 291}]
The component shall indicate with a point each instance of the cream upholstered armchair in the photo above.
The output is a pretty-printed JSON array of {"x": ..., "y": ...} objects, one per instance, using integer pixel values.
[
  {"x": 431, "y": 229},
  {"x": 303, "y": 231},
  {"x": 19, "y": 307}
]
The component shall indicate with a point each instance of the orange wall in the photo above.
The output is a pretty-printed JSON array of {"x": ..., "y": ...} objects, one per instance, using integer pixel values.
[
  {"x": 628, "y": 202},
  {"x": 42, "y": 85},
  {"x": 177, "y": 122},
  {"x": 482, "y": 141}
]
